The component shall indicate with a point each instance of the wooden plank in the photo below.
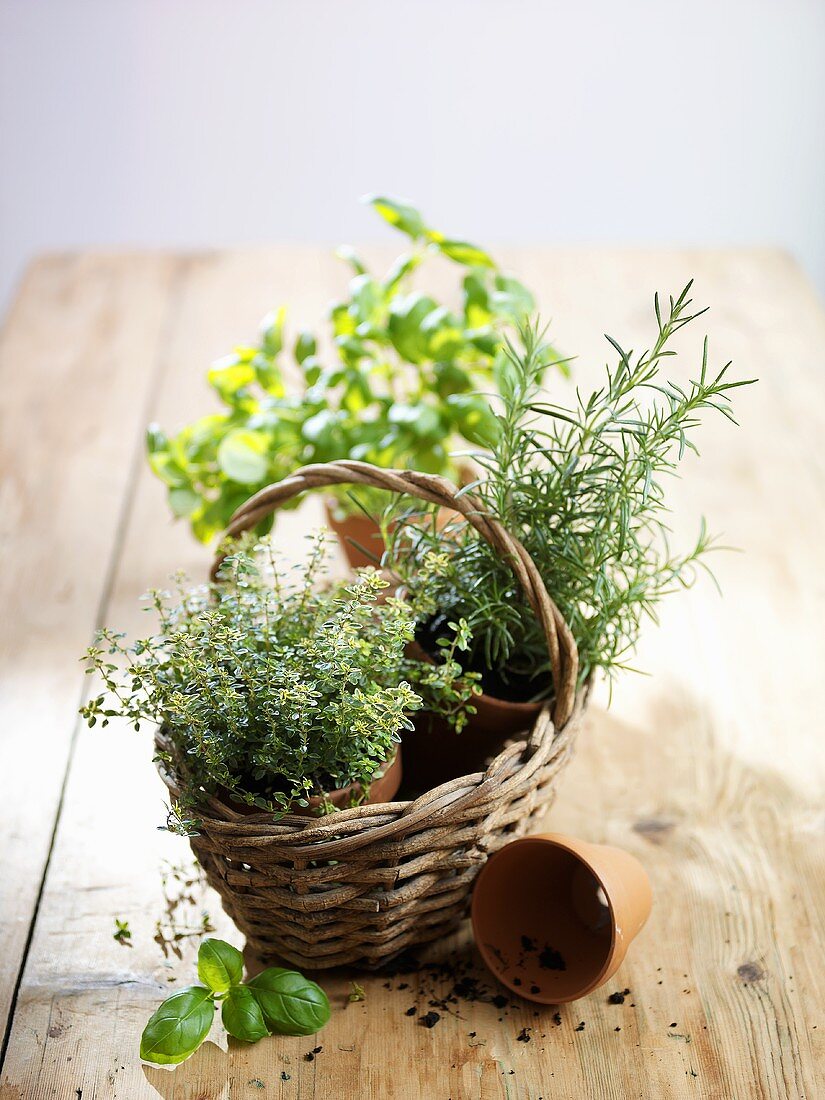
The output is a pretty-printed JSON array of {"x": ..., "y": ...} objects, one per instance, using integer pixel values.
[
  {"x": 77, "y": 359},
  {"x": 710, "y": 771}
]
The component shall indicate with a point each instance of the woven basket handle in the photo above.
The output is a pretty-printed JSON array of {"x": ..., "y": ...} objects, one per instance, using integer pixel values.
[{"x": 564, "y": 657}]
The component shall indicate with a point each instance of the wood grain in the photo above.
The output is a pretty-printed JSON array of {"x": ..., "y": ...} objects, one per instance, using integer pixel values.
[
  {"x": 77, "y": 362},
  {"x": 711, "y": 771}
]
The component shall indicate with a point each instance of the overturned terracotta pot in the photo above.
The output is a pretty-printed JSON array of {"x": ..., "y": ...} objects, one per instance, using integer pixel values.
[
  {"x": 553, "y": 917},
  {"x": 382, "y": 789}
]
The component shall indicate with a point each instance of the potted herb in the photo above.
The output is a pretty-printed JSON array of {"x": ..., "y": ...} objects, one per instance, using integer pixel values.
[
  {"x": 401, "y": 391},
  {"x": 275, "y": 693},
  {"x": 582, "y": 486},
  {"x": 360, "y": 885}
]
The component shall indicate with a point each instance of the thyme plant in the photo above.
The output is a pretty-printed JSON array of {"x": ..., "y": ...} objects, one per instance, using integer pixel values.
[
  {"x": 583, "y": 487},
  {"x": 271, "y": 687}
]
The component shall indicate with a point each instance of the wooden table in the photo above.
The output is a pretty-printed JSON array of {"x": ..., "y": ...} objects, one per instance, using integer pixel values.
[{"x": 711, "y": 771}]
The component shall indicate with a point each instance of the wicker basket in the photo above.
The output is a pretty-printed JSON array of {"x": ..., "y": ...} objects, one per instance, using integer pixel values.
[{"x": 362, "y": 885}]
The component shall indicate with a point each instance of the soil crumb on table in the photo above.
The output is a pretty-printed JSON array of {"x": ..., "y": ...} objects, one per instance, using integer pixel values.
[{"x": 618, "y": 997}]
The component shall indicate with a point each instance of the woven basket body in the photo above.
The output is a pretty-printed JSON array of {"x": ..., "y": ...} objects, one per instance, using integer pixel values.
[{"x": 361, "y": 885}]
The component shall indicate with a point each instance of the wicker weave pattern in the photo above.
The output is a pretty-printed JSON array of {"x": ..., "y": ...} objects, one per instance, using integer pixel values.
[{"x": 362, "y": 885}]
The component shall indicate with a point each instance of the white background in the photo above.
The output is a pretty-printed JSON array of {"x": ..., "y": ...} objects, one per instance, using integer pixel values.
[{"x": 209, "y": 122}]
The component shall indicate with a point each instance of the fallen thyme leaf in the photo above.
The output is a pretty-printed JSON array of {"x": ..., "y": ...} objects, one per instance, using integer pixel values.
[{"x": 122, "y": 933}]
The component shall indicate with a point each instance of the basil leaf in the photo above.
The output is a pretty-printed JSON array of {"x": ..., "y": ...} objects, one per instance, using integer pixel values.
[
  {"x": 512, "y": 298},
  {"x": 305, "y": 346},
  {"x": 156, "y": 439},
  {"x": 272, "y": 331},
  {"x": 348, "y": 254},
  {"x": 164, "y": 466},
  {"x": 230, "y": 378},
  {"x": 242, "y": 456},
  {"x": 242, "y": 1015},
  {"x": 474, "y": 418},
  {"x": 291, "y": 1003},
  {"x": 463, "y": 252},
  {"x": 404, "y": 325},
  {"x": 178, "y": 1027},
  {"x": 400, "y": 214},
  {"x": 219, "y": 965},
  {"x": 422, "y": 420},
  {"x": 183, "y": 502}
]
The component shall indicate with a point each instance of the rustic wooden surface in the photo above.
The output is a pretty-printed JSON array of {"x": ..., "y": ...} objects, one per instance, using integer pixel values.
[{"x": 711, "y": 770}]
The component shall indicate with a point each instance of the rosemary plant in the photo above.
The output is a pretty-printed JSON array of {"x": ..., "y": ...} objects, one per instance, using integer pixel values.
[
  {"x": 272, "y": 689},
  {"x": 583, "y": 488}
]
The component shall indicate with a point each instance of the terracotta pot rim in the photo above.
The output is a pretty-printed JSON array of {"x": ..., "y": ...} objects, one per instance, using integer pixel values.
[
  {"x": 316, "y": 800},
  {"x": 415, "y": 649},
  {"x": 512, "y": 705},
  {"x": 353, "y": 531},
  {"x": 331, "y": 504},
  {"x": 386, "y": 768},
  {"x": 573, "y": 846}
]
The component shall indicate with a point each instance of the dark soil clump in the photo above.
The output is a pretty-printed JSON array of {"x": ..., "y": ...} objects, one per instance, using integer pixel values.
[
  {"x": 618, "y": 997},
  {"x": 550, "y": 959}
]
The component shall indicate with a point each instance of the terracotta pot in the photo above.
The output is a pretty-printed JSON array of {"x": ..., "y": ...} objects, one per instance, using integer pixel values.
[
  {"x": 356, "y": 529},
  {"x": 553, "y": 916},
  {"x": 435, "y": 753},
  {"x": 382, "y": 789},
  {"x": 364, "y": 531}
]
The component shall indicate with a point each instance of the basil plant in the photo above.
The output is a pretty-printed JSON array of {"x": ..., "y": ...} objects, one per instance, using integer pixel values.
[
  {"x": 277, "y": 1001},
  {"x": 405, "y": 388}
]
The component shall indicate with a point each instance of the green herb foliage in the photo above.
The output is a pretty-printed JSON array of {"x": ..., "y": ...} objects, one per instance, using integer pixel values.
[
  {"x": 178, "y": 1027},
  {"x": 401, "y": 387},
  {"x": 582, "y": 486},
  {"x": 219, "y": 965},
  {"x": 243, "y": 1017},
  {"x": 290, "y": 1004},
  {"x": 122, "y": 933},
  {"x": 277, "y": 1000},
  {"x": 272, "y": 689}
]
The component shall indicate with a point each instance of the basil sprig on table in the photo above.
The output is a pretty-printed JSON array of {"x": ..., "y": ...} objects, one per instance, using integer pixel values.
[{"x": 276, "y": 1001}]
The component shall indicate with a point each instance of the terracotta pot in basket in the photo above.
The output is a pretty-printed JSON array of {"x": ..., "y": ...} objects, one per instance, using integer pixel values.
[
  {"x": 361, "y": 885},
  {"x": 383, "y": 788},
  {"x": 436, "y": 753},
  {"x": 358, "y": 535}
]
